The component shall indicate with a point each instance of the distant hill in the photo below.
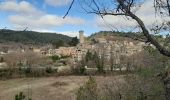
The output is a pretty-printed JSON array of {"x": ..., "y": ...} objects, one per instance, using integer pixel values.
[
  {"x": 32, "y": 37},
  {"x": 131, "y": 35}
]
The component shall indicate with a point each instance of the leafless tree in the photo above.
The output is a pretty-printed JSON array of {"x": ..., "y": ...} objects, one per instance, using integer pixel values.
[
  {"x": 125, "y": 8},
  {"x": 162, "y": 4}
]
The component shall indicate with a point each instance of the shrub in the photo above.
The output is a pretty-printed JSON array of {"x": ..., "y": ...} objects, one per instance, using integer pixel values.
[
  {"x": 21, "y": 96},
  {"x": 1, "y": 59},
  {"x": 88, "y": 91},
  {"x": 82, "y": 70},
  {"x": 28, "y": 70},
  {"x": 49, "y": 70},
  {"x": 100, "y": 68},
  {"x": 55, "y": 58}
]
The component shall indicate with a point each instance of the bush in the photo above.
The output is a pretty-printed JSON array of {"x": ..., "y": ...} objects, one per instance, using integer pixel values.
[
  {"x": 100, "y": 68},
  {"x": 88, "y": 91},
  {"x": 5, "y": 73},
  {"x": 55, "y": 58},
  {"x": 1, "y": 59},
  {"x": 49, "y": 70},
  {"x": 21, "y": 96},
  {"x": 28, "y": 70},
  {"x": 82, "y": 70}
]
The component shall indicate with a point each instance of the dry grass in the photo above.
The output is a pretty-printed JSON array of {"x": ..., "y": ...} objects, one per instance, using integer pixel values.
[{"x": 52, "y": 88}]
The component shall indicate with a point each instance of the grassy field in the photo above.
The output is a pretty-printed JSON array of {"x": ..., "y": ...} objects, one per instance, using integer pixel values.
[{"x": 50, "y": 88}]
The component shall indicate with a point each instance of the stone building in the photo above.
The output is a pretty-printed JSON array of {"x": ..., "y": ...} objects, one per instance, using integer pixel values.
[
  {"x": 81, "y": 36},
  {"x": 103, "y": 47}
]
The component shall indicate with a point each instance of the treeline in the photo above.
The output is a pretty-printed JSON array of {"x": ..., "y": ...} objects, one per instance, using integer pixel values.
[
  {"x": 133, "y": 35},
  {"x": 137, "y": 36},
  {"x": 32, "y": 37}
]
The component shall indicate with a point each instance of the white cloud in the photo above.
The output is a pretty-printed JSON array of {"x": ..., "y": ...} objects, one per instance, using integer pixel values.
[
  {"x": 146, "y": 13},
  {"x": 114, "y": 22},
  {"x": 43, "y": 22},
  {"x": 22, "y": 7},
  {"x": 56, "y": 3},
  {"x": 68, "y": 33},
  {"x": 24, "y": 14},
  {"x": 72, "y": 33}
]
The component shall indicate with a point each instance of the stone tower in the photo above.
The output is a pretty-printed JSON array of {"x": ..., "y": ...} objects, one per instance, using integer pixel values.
[{"x": 81, "y": 36}]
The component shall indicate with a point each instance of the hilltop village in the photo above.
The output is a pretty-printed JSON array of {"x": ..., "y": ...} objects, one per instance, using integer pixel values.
[{"x": 106, "y": 46}]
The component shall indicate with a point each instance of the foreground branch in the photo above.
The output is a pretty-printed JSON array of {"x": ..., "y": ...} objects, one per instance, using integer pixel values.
[
  {"x": 69, "y": 9},
  {"x": 150, "y": 39}
]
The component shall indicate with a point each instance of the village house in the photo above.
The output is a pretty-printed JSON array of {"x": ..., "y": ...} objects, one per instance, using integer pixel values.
[{"x": 103, "y": 46}]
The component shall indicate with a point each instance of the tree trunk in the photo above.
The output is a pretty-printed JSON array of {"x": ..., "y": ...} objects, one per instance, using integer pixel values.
[{"x": 145, "y": 31}]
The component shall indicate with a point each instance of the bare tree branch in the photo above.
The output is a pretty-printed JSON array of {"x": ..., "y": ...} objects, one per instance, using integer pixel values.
[
  {"x": 151, "y": 39},
  {"x": 162, "y": 4},
  {"x": 168, "y": 4},
  {"x": 107, "y": 13},
  {"x": 69, "y": 9},
  {"x": 124, "y": 8}
]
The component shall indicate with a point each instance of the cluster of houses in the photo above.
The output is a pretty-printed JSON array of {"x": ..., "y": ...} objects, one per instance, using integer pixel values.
[{"x": 103, "y": 46}]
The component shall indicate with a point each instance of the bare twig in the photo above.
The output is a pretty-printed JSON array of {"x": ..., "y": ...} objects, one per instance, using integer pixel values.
[{"x": 69, "y": 9}]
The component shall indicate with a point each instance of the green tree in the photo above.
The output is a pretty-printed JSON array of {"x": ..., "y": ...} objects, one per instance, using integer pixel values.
[
  {"x": 89, "y": 56},
  {"x": 82, "y": 67},
  {"x": 55, "y": 58},
  {"x": 74, "y": 41},
  {"x": 31, "y": 37},
  {"x": 58, "y": 44},
  {"x": 99, "y": 62},
  {"x": 21, "y": 96},
  {"x": 88, "y": 91}
]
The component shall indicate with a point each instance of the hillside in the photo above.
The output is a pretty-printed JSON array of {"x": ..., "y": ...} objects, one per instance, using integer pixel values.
[
  {"x": 32, "y": 37},
  {"x": 119, "y": 35}
]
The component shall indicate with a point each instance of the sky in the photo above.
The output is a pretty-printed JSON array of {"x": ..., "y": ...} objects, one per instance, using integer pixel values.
[{"x": 47, "y": 16}]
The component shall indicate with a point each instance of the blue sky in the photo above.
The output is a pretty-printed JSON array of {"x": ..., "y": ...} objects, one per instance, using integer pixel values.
[{"x": 46, "y": 16}]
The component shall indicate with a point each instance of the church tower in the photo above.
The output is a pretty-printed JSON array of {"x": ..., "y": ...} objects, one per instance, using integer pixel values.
[{"x": 81, "y": 36}]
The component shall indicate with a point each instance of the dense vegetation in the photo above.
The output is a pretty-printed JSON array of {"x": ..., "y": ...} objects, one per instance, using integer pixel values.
[
  {"x": 137, "y": 84},
  {"x": 31, "y": 37},
  {"x": 137, "y": 36},
  {"x": 133, "y": 35}
]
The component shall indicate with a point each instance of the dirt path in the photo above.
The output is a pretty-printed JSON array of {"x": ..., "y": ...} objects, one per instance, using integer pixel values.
[{"x": 51, "y": 88}]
